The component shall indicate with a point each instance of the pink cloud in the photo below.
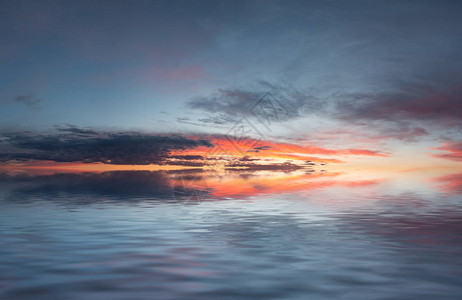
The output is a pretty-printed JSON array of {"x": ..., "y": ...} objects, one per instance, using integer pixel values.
[{"x": 453, "y": 151}]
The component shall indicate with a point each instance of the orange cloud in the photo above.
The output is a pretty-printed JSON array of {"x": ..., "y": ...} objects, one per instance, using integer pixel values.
[{"x": 268, "y": 149}]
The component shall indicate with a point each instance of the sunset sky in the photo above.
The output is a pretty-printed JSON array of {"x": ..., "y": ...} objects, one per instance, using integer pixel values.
[{"x": 99, "y": 85}]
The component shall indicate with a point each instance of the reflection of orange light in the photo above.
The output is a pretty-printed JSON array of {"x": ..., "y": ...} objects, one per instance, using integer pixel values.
[
  {"x": 240, "y": 185},
  {"x": 50, "y": 167}
]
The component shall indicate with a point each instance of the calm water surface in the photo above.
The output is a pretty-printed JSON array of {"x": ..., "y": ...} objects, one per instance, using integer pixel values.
[{"x": 126, "y": 235}]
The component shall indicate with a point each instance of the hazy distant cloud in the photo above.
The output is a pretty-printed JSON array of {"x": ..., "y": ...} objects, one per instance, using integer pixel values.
[
  {"x": 278, "y": 103},
  {"x": 399, "y": 131},
  {"x": 78, "y": 145},
  {"x": 76, "y": 130},
  {"x": 29, "y": 100},
  {"x": 232, "y": 102},
  {"x": 434, "y": 98},
  {"x": 443, "y": 109}
]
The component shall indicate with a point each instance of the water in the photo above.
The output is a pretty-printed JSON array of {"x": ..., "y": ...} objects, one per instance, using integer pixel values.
[{"x": 141, "y": 235}]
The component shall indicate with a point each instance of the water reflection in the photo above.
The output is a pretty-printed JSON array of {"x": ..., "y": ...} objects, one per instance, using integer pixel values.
[
  {"x": 130, "y": 185},
  {"x": 257, "y": 235},
  {"x": 451, "y": 183}
]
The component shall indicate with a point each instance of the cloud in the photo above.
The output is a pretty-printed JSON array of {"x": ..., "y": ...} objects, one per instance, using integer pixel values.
[
  {"x": 232, "y": 102},
  {"x": 403, "y": 132},
  {"x": 81, "y": 145},
  {"x": 69, "y": 128},
  {"x": 361, "y": 134},
  {"x": 240, "y": 146},
  {"x": 405, "y": 109},
  {"x": 28, "y": 100},
  {"x": 453, "y": 151},
  {"x": 266, "y": 102},
  {"x": 434, "y": 99},
  {"x": 286, "y": 167}
]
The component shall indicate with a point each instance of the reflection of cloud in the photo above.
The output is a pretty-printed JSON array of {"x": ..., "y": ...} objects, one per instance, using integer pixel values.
[
  {"x": 450, "y": 183},
  {"x": 131, "y": 185},
  {"x": 115, "y": 185},
  {"x": 248, "y": 183},
  {"x": 440, "y": 227}
]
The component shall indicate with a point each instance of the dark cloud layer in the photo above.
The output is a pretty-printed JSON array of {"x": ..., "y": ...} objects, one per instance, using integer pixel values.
[{"x": 81, "y": 145}]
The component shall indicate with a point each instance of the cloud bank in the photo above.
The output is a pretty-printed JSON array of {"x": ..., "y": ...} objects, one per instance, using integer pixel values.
[{"x": 88, "y": 146}]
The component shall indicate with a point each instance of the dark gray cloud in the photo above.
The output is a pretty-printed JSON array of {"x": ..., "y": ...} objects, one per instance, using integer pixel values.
[
  {"x": 262, "y": 148},
  {"x": 187, "y": 157},
  {"x": 29, "y": 100},
  {"x": 284, "y": 167},
  {"x": 69, "y": 128},
  {"x": 79, "y": 145}
]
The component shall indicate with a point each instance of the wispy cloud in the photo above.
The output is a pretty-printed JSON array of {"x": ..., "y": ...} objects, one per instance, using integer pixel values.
[
  {"x": 423, "y": 104},
  {"x": 453, "y": 151},
  {"x": 29, "y": 100},
  {"x": 279, "y": 102}
]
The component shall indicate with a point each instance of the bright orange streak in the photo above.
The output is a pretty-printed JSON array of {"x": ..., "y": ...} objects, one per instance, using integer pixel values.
[{"x": 268, "y": 149}]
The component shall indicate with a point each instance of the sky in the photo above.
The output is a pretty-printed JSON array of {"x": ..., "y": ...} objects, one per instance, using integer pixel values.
[{"x": 171, "y": 82}]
